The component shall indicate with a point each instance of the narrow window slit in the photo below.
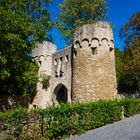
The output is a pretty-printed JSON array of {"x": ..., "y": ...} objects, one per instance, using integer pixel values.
[
  {"x": 66, "y": 58},
  {"x": 94, "y": 50}
]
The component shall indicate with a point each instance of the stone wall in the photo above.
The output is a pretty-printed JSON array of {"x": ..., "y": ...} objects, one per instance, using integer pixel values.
[
  {"x": 94, "y": 74},
  {"x": 7, "y": 101},
  {"x": 135, "y": 94}
]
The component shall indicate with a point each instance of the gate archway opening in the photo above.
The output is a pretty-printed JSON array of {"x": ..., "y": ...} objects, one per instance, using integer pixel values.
[{"x": 61, "y": 93}]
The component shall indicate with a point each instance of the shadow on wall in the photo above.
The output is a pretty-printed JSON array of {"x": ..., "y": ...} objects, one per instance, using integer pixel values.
[
  {"x": 9, "y": 101},
  {"x": 129, "y": 95}
]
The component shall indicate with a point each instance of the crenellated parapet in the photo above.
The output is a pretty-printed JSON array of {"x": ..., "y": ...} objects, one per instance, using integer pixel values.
[
  {"x": 42, "y": 55},
  {"x": 98, "y": 37},
  {"x": 61, "y": 62}
]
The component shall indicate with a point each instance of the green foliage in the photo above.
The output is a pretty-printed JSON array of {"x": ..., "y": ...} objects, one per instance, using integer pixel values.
[
  {"x": 45, "y": 81},
  {"x": 131, "y": 106},
  {"x": 13, "y": 121},
  {"x": 21, "y": 21},
  {"x": 118, "y": 59},
  {"x": 36, "y": 10},
  {"x": 65, "y": 120},
  {"x": 129, "y": 80},
  {"x": 74, "y": 13},
  {"x": 131, "y": 30}
]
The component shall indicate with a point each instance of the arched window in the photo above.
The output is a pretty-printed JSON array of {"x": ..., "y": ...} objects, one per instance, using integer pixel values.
[
  {"x": 77, "y": 44},
  {"x": 111, "y": 43},
  {"x": 85, "y": 42},
  {"x": 94, "y": 43},
  {"x": 104, "y": 42}
]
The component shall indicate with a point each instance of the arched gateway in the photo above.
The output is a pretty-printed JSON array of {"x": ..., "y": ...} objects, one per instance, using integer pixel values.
[{"x": 61, "y": 94}]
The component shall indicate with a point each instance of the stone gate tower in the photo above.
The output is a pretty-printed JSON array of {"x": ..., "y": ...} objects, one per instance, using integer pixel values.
[
  {"x": 93, "y": 75},
  {"x": 82, "y": 73}
]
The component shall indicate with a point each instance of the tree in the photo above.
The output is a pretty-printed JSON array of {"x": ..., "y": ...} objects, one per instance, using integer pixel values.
[
  {"x": 74, "y": 13},
  {"x": 130, "y": 32},
  {"x": 118, "y": 59},
  {"x": 22, "y": 23},
  {"x": 130, "y": 73}
]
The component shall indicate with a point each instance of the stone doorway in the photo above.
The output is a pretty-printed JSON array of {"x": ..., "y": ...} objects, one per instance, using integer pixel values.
[{"x": 61, "y": 94}]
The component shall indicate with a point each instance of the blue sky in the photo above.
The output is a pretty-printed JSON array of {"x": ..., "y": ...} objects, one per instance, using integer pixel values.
[{"x": 119, "y": 13}]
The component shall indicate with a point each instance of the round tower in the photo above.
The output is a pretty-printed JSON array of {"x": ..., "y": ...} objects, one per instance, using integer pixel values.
[
  {"x": 42, "y": 55},
  {"x": 94, "y": 75}
]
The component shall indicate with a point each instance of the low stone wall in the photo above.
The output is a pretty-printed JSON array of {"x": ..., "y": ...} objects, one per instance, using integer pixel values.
[
  {"x": 129, "y": 95},
  {"x": 9, "y": 101}
]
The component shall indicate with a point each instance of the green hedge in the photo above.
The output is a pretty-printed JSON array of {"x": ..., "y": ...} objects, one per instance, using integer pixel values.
[
  {"x": 131, "y": 106},
  {"x": 76, "y": 119},
  {"x": 66, "y": 120}
]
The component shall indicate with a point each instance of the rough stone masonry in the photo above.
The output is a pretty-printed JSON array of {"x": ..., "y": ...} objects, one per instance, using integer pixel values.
[{"x": 82, "y": 73}]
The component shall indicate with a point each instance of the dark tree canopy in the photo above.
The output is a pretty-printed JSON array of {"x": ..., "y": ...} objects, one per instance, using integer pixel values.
[
  {"x": 118, "y": 58},
  {"x": 74, "y": 13},
  {"x": 21, "y": 21},
  {"x": 130, "y": 70}
]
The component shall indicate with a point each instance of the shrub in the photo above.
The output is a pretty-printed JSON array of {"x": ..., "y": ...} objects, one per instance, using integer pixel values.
[
  {"x": 13, "y": 121},
  {"x": 45, "y": 81},
  {"x": 64, "y": 120},
  {"x": 68, "y": 119},
  {"x": 131, "y": 106}
]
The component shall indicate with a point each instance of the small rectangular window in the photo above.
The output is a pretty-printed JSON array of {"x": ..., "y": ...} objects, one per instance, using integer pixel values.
[
  {"x": 75, "y": 54},
  {"x": 61, "y": 58},
  {"x": 55, "y": 61},
  {"x": 66, "y": 58}
]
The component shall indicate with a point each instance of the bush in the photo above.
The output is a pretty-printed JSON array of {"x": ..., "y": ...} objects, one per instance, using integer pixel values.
[
  {"x": 65, "y": 120},
  {"x": 131, "y": 106},
  {"x": 13, "y": 121},
  {"x": 45, "y": 81}
]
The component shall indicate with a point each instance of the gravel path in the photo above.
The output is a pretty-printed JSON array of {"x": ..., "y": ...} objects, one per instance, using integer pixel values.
[{"x": 127, "y": 129}]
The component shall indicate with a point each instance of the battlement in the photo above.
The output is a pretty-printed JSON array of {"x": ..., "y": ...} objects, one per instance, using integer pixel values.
[
  {"x": 42, "y": 55},
  {"x": 43, "y": 49},
  {"x": 97, "y": 36},
  {"x": 90, "y": 31},
  {"x": 61, "y": 62}
]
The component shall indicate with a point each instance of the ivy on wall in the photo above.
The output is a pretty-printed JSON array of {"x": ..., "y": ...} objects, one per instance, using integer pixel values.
[{"x": 45, "y": 81}]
